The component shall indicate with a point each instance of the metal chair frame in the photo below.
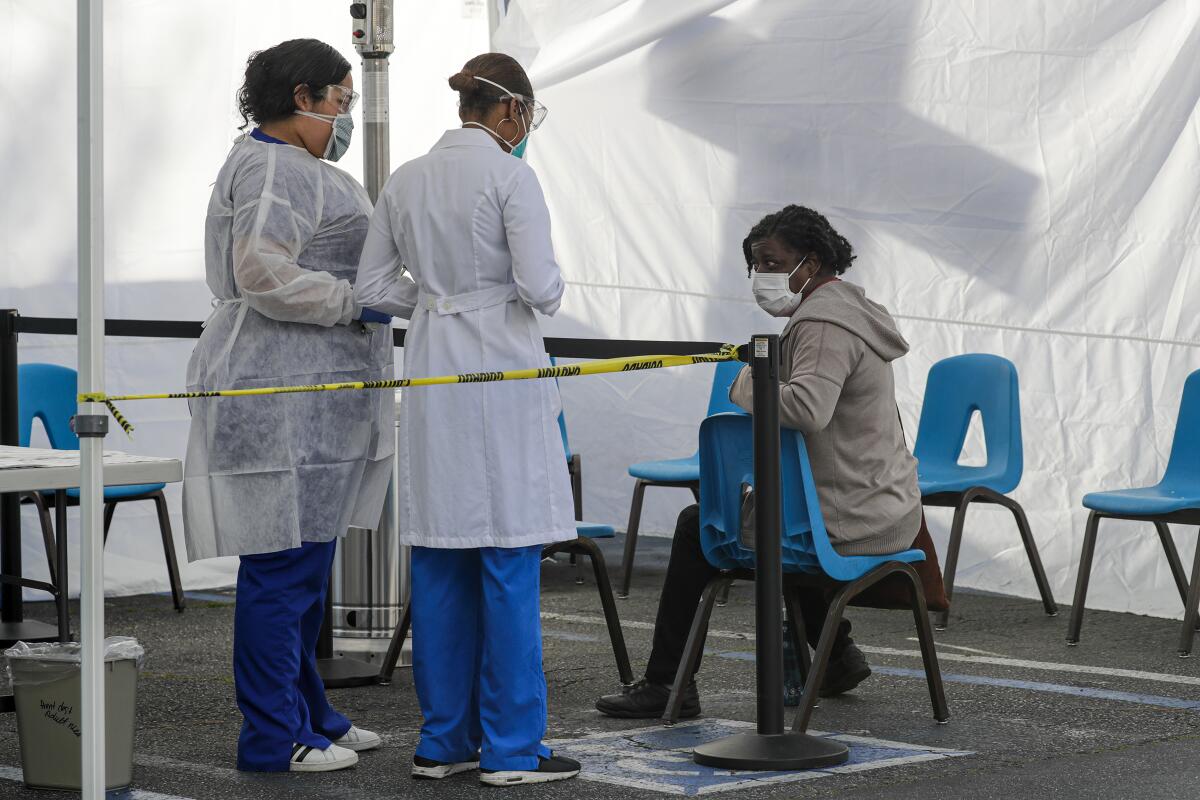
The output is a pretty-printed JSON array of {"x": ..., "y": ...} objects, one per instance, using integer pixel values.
[
  {"x": 579, "y": 546},
  {"x": 812, "y": 669},
  {"x": 1189, "y": 592},
  {"x": 960, "y": 502}
]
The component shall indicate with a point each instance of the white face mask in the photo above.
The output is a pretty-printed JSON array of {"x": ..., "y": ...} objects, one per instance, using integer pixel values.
[{"x": 772, "y": 292}]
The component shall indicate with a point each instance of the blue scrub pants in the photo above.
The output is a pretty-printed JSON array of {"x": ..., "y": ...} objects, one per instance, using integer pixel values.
[
  {"x": 280, "y": 606},
  {"x": 477, "y": 655}
]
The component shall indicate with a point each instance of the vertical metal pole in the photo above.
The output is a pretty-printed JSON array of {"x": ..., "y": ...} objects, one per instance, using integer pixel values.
[
  {"x": 11, "y": 603},
  {"x": 377, "y": 148},
  {"x": 768, "y": 516},
  {"x": 90, "y": 74}
]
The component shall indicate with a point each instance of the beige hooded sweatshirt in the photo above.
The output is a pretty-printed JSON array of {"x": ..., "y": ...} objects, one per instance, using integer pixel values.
[{"x": 837, "y": 388}]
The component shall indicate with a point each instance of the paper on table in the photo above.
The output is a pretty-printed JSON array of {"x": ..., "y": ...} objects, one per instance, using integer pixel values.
[{"x": 31, "y": 457}]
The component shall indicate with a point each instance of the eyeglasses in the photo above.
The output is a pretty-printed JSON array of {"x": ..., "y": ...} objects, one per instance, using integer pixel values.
[
  {"x": 536, "y": 109},
  {"x": 348, "y": 98}
]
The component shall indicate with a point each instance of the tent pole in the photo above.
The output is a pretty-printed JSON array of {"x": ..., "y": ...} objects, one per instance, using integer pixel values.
[{"x": 90, "y": 143}]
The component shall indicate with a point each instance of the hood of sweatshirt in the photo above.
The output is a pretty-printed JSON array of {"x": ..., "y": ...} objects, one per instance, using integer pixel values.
[{"x": 847, "y": 306}]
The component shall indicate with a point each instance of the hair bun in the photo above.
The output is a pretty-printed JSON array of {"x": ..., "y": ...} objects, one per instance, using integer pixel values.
[{"x": 463, "y": 81}]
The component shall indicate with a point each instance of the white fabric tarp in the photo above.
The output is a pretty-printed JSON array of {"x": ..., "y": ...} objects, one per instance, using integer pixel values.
[
  {"x": 171, "y": 74},
  {"x": 1017, "y": 178}
]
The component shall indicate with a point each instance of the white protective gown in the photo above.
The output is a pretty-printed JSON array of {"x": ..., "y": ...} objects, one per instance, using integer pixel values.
[
  {"x": 481, "y": 465},
  {"x": 283, "y": 236}
]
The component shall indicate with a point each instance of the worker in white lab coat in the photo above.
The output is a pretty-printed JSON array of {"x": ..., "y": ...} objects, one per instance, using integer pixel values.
[{"x": 483, "y": 481}]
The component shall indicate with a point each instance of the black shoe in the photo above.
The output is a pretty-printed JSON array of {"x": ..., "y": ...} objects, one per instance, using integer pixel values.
[
  {"x": 430, "y": 770},
  {"x": 646, "y": 700},
  {"x": 845, "y": 672},
  {"x": 554, "y": 768}
]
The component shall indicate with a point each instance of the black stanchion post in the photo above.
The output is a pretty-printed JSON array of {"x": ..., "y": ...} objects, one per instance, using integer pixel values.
[
  {"x": 770, "y": 748},
  {"x": 11, "y": 609},
  {"x": 13, "y": 625}
]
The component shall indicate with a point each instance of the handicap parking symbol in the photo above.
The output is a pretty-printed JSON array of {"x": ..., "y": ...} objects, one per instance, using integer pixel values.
[{"x": 660, "y": 759}]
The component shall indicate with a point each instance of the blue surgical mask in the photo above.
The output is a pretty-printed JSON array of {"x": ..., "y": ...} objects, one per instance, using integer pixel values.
[{"x": 339, "y": 139}]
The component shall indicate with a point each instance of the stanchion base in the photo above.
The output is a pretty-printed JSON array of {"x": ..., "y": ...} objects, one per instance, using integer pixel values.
[
  {"x": 340, "y": 672},
  {"x": 28, "y": 631},
  {"x": 785, "y": 751}
]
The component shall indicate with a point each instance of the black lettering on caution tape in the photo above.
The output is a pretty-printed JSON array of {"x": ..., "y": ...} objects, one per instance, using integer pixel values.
[{"x": 643, "y": 365}]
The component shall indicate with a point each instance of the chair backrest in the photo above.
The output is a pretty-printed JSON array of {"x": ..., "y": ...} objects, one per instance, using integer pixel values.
[
  {"x": 723, "y": 377},
  {"x": 47, "y": 392},
  {"x": 1183, "y": 467},
  {"x": 726, "y": 465},
  {"x": 959, "y": 386}
]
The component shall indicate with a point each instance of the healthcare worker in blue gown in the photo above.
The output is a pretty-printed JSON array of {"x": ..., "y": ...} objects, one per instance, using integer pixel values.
[
  {"x": 460, "y": 243},
  {"x": 276, "y": 480}
]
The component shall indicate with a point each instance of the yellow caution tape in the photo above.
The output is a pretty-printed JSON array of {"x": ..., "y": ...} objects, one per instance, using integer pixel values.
[{"x": 727, "y": 352}]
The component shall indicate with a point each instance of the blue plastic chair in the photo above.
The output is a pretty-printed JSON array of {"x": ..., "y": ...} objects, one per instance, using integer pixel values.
[
  {"x": 726, "y": 469},
  {"x": 674, "y": 472},
  {"x": 958, "y": 387},
  {"x": 1175, "y": 498},
  {"x": 48, "y": 392}
]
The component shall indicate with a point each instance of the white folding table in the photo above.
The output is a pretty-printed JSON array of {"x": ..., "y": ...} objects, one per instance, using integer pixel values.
[{"x": 27, "y": 469}]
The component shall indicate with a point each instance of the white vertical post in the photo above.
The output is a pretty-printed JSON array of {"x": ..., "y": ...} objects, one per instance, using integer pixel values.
[{"x": 90, "y": 73}]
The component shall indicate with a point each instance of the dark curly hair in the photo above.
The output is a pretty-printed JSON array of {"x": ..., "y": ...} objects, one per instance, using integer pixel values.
[
  {"x": 272, "y": 76},
  {"x": 476, "y": 96},
  {"x": 806, "y": 231}
]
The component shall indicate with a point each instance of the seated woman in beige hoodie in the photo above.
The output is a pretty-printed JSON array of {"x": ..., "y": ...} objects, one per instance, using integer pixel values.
[{"x": 838, "y": 389}]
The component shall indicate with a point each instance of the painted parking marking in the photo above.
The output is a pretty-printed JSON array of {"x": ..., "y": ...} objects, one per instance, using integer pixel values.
[
  {"x": 660, "y": 759},
  {"x": 1019, "y": 663},
  {"x": 1053, "y": 688},
  {"x": 15, "y": 774}
]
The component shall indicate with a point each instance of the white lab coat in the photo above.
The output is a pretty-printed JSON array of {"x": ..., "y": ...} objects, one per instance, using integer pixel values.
[{"x": 481, "y": 465}]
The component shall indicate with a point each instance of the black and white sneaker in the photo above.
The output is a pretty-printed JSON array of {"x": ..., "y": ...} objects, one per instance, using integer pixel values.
[
  {"x": 426, "y": 769},
  {"x": 554, "y": 768},
  {"x": 310, "y": 759}
]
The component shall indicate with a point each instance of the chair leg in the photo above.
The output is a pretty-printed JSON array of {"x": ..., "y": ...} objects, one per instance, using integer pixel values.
[
  {"x": 799, "y": 634},
  {"x": 723, "y": 597},
  {"x": 631, "y": 534},
  {"x": 1191, "y": 611},
  {"x": 691, "y": 650},
  {"x": 168, "y": 542},
  {"x": 1085, "y": 573},
  {"x": 48, "y": 541},
  {"x": 956, "y": 529},
  {"x": 1168, "y": 545},
  {"x": 615, "y": 635},
  {"x": 933, "y": 672},
  {"x": 60, "y": 549},
  {"x": 820, "y": 660},
  {"x": 576, "y": 470},
  {"x": 109, "y": 510},
  {"x": 397, "y": 644},
  {"x": 1031, "y": 550}
]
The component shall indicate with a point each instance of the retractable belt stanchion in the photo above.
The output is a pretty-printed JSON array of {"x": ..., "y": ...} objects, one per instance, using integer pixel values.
[{"x": 769, "y": 748}]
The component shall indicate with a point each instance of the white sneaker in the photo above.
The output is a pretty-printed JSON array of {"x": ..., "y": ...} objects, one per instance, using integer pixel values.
[
  {"x": 554, "y": 768},
  {"x": 358, "y": 740},
  {"x": 309, "y": 759},
  {"x": 428, "y": 769}
]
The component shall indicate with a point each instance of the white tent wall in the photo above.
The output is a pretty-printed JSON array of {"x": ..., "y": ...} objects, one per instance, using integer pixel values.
[
  {"x": 1018, "y": 178},
  {"x": 172, "y": 70}
]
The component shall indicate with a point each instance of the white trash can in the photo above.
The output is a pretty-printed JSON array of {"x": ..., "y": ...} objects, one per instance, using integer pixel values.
[{"x": 45, "y": 684}]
